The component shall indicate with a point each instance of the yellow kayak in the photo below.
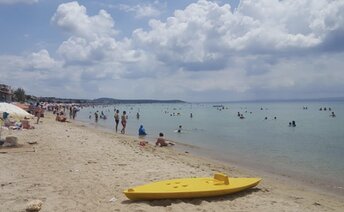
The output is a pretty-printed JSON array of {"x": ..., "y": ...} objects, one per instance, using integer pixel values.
[{"x": 191, "y": 188}]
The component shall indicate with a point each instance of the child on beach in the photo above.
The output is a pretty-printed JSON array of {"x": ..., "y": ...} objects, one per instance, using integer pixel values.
[
  {"x": 142, "y": 131},
  {"x": 161, "y": 141}
]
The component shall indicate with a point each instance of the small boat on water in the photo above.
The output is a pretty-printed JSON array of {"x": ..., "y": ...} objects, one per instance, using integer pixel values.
[{"x": 191, "y": 188}]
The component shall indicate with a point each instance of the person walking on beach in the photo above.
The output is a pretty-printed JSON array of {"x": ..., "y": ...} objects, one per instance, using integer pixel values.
[
  {"x": 116, "y": 116},
  {"x": 39, "y": 113},
  {"x": 123, "y": 122}
]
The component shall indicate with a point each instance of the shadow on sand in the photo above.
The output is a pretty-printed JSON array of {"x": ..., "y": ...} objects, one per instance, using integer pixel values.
[{"x": 194, "y": 201}]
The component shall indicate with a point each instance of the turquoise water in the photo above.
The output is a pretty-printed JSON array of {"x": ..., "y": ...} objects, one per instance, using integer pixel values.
[{"x": 312, "y": 150}]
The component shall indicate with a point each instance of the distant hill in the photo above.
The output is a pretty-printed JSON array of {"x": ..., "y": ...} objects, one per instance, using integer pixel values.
[
  {"x": 132, "y": 101},
  {"x": 331, "y": 99},
  {"x": 106, "y": 100},
  {"x": 325, "y": 99}
]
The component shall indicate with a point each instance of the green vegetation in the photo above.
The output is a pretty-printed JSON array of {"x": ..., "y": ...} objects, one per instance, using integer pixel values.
[{"x": 19, "y": 95}]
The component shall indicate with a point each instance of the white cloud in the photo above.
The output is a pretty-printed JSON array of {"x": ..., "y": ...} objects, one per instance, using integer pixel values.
[
  {"x": 206, "y": 50},
  {"x": 92, "y": 37},
  {"x": 73, "y": 18},
  {"x": 18, "y": 1},
  {"x": 37, "y": 72},
  {"x": 141, "y": 11},
  {"x": 205, "y": 31},
  {"x": 42, "y": 60},
  {"x": 36, "y": 61},
  {"x": 238, "y": 52}
]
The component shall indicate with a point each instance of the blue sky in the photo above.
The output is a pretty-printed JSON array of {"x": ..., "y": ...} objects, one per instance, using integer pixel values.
[{"x": 190, "y": 50}]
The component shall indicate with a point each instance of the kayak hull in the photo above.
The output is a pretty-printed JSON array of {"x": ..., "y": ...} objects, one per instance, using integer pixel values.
[{"x": 190, "y": 188}]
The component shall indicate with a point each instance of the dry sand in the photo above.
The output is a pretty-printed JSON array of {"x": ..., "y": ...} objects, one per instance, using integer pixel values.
[{"x": 74, "y": 167}]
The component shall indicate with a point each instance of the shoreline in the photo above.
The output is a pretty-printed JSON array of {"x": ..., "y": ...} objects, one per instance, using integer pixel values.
[
  {"x": 316, "y": 183},
  {"x": 77, "y": 167}
]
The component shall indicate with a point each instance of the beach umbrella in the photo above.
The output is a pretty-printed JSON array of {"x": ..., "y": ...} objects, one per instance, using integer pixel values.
[
  {"x": 23, "y": 106},
  {"x": 14, "y": 111}
]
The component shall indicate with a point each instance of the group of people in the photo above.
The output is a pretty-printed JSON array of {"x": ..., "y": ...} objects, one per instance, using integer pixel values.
[
  {"x": 60, "y": 111},
  {"x": 292, "y": 124},
  {"x": 161, "y": 141},
  {"x": 329, "y": 109},
  {"x": 97, "y": 116},
  {"x": 60, "y": 117},
  {"x": 124, "y": 119}
]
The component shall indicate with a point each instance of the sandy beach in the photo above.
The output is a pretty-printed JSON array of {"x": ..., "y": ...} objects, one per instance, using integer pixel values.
[{"x": 75, "y": 167}]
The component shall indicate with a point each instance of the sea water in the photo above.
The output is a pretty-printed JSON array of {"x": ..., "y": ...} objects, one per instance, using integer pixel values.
[{"x": 312, "y": 150}]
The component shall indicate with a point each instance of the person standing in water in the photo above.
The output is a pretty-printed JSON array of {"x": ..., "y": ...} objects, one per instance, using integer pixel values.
[
  {"x": 123, "y": 122},
  {"x": 116, "y": 116},
  {"x": 96, "y": 116},
  {"x": 179, "y": 129}
]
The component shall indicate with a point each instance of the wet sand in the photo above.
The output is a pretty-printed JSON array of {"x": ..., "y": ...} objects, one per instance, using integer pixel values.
[{"x": 75, "y": 167}]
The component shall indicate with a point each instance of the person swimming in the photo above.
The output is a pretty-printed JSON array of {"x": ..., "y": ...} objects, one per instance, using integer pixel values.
[
  {"x": 179, "y": 129},
  {"x": 333, "y": 115}
]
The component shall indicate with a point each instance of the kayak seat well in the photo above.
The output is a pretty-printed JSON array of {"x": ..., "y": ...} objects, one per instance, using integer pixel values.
[{"x": 221, "y": 179}]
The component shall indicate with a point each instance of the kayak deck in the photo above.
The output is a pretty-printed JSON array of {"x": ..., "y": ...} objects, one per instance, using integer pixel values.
[{"x": 191, "y": 187}]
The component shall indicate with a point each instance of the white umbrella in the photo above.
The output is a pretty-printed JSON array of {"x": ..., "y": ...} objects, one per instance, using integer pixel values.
[{"x": 14, "y": 111}]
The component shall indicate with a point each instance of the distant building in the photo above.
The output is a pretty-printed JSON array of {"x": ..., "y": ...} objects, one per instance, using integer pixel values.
[{"x": 5, "y": 93}]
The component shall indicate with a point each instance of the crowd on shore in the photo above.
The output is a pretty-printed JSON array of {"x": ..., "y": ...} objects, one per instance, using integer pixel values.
[
  {"x": 123, "y": 118},
  {"x": 25, "y": 113},
  {"x": 63, "y": 111}
]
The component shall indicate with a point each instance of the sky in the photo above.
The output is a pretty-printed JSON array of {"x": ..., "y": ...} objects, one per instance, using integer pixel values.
[{"x": 189, "y": 50}]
